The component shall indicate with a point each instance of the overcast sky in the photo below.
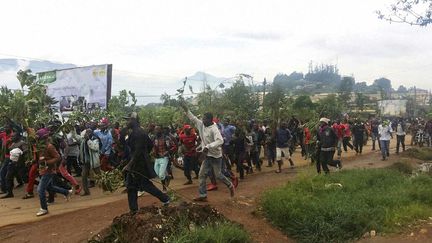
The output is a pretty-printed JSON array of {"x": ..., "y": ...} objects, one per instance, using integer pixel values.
[{"x": 167, "y": 40}]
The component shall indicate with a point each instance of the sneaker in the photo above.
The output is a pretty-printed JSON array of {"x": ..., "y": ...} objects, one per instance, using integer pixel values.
[
  {"x": 166, "y": 204},
  {"x": 42, "y": 212},
  {"x": 28, "y": 195},
  {"x": 200, "y": 199},
  {"x": 211, "y": 187},
  {"x": 78, "y": 190},
  {"x": 141, "y": 193},
  {"x": 69, "y": 195},
  {"x": 232, "y": 191}
]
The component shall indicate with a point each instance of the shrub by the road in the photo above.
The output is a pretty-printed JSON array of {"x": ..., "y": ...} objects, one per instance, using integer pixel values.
[
  {"x": 423, "y": 153},
  {"x": 211, "y": 233},
  {"x": 318, "y": 209}
]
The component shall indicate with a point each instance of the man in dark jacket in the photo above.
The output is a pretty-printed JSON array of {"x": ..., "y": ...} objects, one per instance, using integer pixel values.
[
  {"x": 327, "y": 142},
  {"x": 139, "y": 170},
  {"x": 283, "y": 137}
]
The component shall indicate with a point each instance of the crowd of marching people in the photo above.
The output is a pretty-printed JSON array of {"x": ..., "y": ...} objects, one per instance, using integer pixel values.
[{"x": 52, "y": 157}]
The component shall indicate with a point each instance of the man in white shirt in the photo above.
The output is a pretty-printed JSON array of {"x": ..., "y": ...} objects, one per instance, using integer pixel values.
[
  {"x": 211, "y": 144},
  {"x": 385, "y": 133},
  {"x": 400, "y": 135}
]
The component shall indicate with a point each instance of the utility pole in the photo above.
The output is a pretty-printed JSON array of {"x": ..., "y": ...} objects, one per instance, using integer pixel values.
[
  {"x": 415, "y": 101},
  {"x": 264, "y": 91}
]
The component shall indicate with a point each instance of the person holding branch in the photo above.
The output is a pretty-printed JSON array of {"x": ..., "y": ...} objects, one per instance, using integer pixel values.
[{"x": 211, "y": 145}]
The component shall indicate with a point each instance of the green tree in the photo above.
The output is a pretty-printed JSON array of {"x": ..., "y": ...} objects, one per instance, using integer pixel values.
[
  {"x": 345, "y": 88},
  {"x": 26, "y": 78},
  {"x": 384, "y": 86},
  {"x": 273, "y": 102},
  {"x": 331, "y": 107},
  {"x": 360, "y": 100},
  {"x": 240, "y": 100}
]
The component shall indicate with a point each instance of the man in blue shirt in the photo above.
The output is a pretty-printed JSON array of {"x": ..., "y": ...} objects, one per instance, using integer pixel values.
[{"x": 106, "y": 140}]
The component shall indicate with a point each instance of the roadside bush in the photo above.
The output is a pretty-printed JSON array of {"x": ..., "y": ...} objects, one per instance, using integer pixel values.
[
  {"x": 317, "y": 209},
  {"x": 403, "y": 166},
  {"x": 418, "y": 153},
  {"x": 211, "y": 233}
]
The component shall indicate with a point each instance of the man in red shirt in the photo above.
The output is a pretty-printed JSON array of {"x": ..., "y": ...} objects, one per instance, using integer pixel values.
[
  {"x": 347, "y": 136},
  {"x": 339, "y": 130},
  {"x": 188, "y": 140}
]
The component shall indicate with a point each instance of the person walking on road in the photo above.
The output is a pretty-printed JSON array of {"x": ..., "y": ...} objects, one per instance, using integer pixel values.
[
  {"x": 139, "y": 170},
  {"x": 211, "y": 144}
]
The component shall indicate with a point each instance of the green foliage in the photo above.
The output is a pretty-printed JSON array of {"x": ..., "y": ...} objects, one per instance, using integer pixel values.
[
  {"x": 381, "y": 199},
  {"x": 418, "y": 153},
  {"x": 273, "y": 102},
  {"x": 330, "y": 107},
  {"x": 110, "y": 180},
  {"x": 161, "y": 115},
  {"x": 28, "y": 108},
  {"x": 361, "y": 100},
  {"x": 241, "y": 101},
  {"x": 403, "y": 166},
  {"x": 345, "y": 88},
  {"x": 211, "y": 233}
]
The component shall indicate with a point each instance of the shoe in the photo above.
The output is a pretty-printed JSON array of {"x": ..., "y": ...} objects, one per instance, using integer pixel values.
[
  {"x": 278, "y": 171},
  {"x": 2, "y": 192},
  {"x": 196, "y": 177},
  {"x": 9, "y": 195},
  {"x": 42, "y": 212},
  {"x": 200, "y": 199},
  {"x": 166, "y": 204},
  {"x": 141, "y": 193},
  {"x": 28, "y": 195},
  {"x": 211, "y": 187},
  {"x": 78, "y": 190},
  {"x": 188, "y": 182},
  {"x": 69, "y": 195},
  {"x": 85, "y": 194},
  {"x": 232, "y": 191}
]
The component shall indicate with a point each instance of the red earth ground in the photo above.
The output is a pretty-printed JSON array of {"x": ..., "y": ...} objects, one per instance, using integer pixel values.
[{"x": 83, "y": 217}]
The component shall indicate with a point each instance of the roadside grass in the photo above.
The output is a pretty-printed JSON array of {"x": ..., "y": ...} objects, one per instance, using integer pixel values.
[
  {"x": 317, "y": 209},
  {"x": 219, "y": 232},
  {"x": 423, "y": 153}
]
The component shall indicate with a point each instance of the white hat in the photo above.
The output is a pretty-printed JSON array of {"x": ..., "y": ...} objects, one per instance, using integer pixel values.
[
  {"x": 325, "y": 120},
  {"x": 15, "y": 154}
]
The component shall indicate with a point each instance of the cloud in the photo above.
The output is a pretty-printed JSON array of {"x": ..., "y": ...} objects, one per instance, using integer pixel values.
[{"x": 259, "y": 36}]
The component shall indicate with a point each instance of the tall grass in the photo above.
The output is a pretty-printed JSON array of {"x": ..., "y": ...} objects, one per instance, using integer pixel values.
[
  {"x": 223, "y": 232},
  {"x": 384, "y": 200}
]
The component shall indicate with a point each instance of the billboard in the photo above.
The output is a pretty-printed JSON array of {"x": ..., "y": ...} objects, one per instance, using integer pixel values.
[
  {"x": 82, "y": 88},
  {"x": 392, "y": 107}
]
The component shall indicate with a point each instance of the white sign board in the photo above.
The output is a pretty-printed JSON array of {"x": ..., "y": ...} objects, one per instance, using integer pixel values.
[
  {"x": 83, "y": 88},
  {"x": 392, "y": 107}
]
